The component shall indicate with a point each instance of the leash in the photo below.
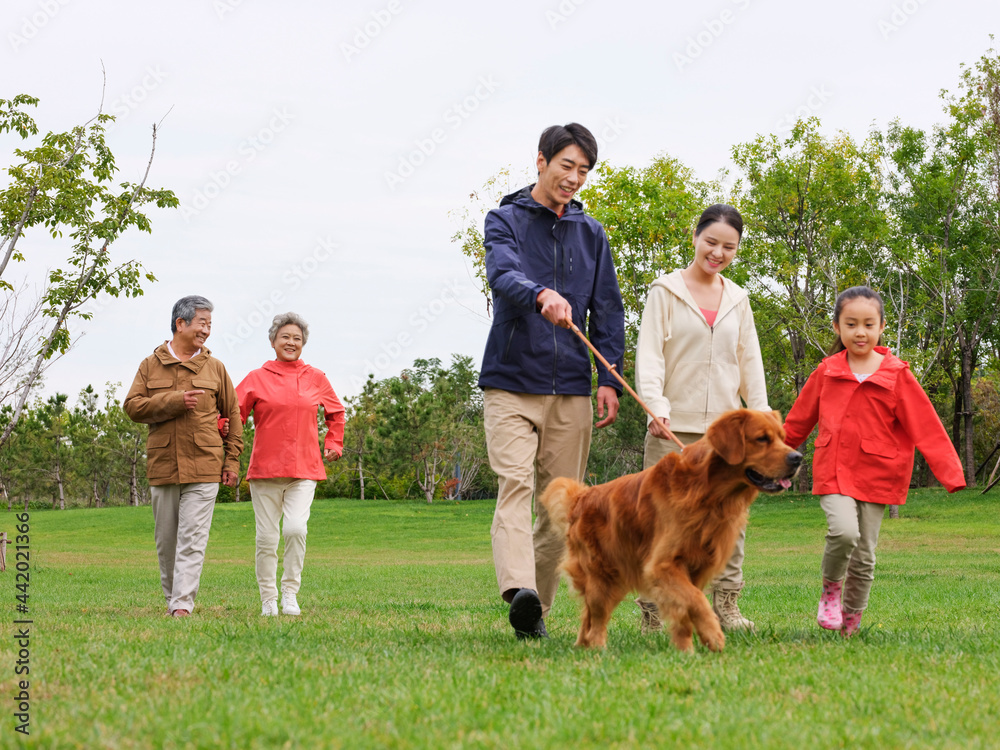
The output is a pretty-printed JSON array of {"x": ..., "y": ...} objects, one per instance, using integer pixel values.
[{"x": 613, "y": 371}]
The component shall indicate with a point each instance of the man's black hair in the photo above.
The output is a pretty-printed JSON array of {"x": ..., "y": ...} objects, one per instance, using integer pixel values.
[{"x": 554, "y": 139}]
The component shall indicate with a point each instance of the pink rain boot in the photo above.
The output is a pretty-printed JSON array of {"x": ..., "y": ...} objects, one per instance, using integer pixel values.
[
  {"x": 851, "y": 624},
  {"x": 829, "y": 615}
]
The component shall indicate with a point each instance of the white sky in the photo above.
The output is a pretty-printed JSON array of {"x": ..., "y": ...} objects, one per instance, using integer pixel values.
[{"x": 299, "y": 126}]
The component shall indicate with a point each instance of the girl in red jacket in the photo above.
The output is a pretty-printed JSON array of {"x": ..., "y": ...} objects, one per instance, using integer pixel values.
[{"x": 871, "y": 413}]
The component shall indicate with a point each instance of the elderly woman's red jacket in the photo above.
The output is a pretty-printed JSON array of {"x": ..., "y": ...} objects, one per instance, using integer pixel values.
[
  {"x": 867, "y": 431},
  {"x": 284, "y": 398}
]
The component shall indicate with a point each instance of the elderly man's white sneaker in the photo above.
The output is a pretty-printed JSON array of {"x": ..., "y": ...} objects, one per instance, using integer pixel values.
[
  {"x": 269, "y": 608},
  {"x": 289, "y": 605}
]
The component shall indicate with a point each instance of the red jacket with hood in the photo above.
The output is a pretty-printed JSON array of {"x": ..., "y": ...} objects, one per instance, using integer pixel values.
[
  {"x": 867, "y": 431},
  {"x": 284, "y": 398}
]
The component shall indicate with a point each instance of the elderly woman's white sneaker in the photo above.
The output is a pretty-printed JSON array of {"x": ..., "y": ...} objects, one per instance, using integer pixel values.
[
  {"x": 289, "y": 605},
  {"x": 269, "y": 608}
]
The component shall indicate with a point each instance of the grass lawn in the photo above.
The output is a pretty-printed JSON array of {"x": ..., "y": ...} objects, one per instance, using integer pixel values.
[{"x": 404, "y": 643}]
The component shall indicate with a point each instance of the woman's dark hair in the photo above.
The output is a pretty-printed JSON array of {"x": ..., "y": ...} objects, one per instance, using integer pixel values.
[
  {"x": 720, "y": 212},
  {"x": 846, "y": 296},
  {"x": 554, "y": 139}
]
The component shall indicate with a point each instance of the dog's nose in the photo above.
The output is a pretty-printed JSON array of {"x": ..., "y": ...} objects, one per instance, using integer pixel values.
[{"x": 793, "y": 459}]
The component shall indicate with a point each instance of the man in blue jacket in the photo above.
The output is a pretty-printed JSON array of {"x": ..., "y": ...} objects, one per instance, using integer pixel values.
[{"x": 549, "y": 266}]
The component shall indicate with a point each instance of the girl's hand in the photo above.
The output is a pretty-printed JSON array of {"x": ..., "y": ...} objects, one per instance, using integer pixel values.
[{"x": 658, "y": 428}]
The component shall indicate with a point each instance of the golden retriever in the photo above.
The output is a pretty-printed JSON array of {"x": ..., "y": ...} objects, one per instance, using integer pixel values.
[{"x": 668, "y": 531}]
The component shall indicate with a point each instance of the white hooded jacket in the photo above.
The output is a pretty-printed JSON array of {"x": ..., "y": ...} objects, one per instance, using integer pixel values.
[{"x": 690, "y": 372}]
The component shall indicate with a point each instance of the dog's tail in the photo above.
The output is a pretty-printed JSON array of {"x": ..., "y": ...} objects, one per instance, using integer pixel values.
[{"x": 558, "y": 500}]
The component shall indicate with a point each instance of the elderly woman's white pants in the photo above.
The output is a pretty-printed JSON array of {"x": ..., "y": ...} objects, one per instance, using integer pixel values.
[{"x": 272, "y": 500}]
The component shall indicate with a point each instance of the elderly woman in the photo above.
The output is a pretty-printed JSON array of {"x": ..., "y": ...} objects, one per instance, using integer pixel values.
[{"x": 285, "y": 464}]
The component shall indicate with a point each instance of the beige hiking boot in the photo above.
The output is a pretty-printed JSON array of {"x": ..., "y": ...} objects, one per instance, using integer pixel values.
[
  {"x": 728, "y": 611},
  {"x": 650, "y": 621}
]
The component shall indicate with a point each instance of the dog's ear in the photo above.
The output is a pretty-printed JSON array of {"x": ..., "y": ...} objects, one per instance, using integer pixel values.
[
  {"x": 727, "y": 438},
  {"x": 777, "y": 415}
]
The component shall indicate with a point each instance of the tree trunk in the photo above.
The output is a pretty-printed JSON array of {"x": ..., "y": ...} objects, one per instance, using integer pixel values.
[
  {"x": 384, "y": 493},
  {"x": 133, "y": 476},
  {"x": 361, "y": 475},
  {"x": 429, "y": 484},
  {"x": 133, "y": 486},
  {"x": 468, "y": 474},
  {"x": 989, "y": 482},
  {"x": 968, "y": 442},
  {"x": 97, "y": 497},
  {"x": 956, "y": 418}
]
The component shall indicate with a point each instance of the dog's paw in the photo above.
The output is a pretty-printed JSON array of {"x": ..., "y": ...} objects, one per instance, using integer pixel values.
[
  {"x": 592, "y": 640},
  {"x": 714, "y": 639}
]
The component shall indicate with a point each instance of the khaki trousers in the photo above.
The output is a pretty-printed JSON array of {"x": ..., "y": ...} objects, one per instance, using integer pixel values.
[
  {"x": 852, "y": 534},
  {"x": 182, "y": 517},
  {"x": 272, "y": 499},
  {"x": 531, "y": 440},
  {"x": 656, "y": 448}
]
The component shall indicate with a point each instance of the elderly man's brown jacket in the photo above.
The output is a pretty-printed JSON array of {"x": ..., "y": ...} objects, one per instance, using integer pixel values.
[{"x": 185, "y": 445}]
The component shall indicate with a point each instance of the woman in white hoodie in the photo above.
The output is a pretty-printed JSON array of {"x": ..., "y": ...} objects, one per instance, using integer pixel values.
[{"x": 697, "y": 357}]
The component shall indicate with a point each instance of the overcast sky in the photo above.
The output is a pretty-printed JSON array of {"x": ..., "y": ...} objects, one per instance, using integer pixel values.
[{"x": 317, "y": 148}]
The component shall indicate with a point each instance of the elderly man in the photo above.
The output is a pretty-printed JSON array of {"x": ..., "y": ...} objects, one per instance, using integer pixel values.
[{"x": 179, "y": 391}]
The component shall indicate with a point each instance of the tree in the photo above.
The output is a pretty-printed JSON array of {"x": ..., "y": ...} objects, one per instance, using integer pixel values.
[
  {"x": 11, "y": 463},
  {"x": 64, "y": 186},
  {"x": 813, "y": 226},
  {"x": 460, "y": 395},
  {"x": 426, "y": 423},
  {"x": 21, "y": 324},
  {"x": 944, "y": 188},
  {"x": 413, "y": 429},
  {"x": 470, "y": 233},
  {"x": 361, "y": 427},
  {"x": 86, "y": 430},
  {"x": 45, "y": 452},
  {"x": 649, "y": 215},
  {"x": 124, "y": 445}
]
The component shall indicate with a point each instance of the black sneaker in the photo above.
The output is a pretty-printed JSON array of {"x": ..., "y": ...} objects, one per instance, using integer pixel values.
[{"x": 526, "y": 615}]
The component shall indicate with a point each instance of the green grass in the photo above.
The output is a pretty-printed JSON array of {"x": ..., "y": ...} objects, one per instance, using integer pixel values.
[{"x": 404, "y": 642}]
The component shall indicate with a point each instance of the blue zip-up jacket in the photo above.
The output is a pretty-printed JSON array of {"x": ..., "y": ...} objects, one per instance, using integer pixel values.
[{"x": 528, "y": 249}]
